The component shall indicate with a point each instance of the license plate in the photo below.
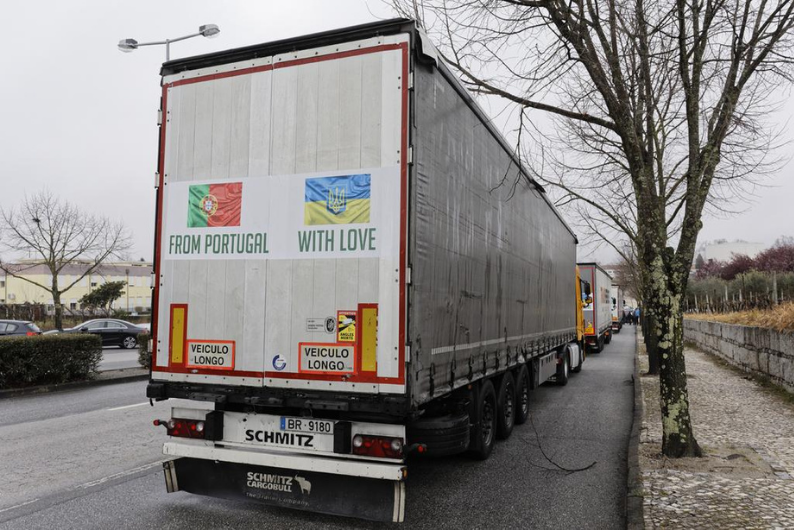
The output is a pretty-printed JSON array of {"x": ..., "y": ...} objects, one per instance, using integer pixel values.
[
  {"x": 281, "y": 432},
  {"x": 307, "y": 425}
]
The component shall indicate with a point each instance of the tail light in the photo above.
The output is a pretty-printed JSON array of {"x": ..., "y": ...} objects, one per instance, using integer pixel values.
[
  {"x": 377, "y": 446},
  {"x": 31, "y": 333},
  {"x": 183, "y": 428}
]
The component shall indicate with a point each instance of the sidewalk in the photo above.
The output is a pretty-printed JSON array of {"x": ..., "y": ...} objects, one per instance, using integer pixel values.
[{"x": 747, "y": 434}]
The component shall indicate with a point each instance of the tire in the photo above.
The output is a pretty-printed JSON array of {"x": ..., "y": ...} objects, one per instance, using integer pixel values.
[
  {"x": 523, "y": 389},
  {"x": 129, "y": 342},
  {"x": 608, "y": 338},
  {"x": 483, "y": 435},
  {"x": 563, "y": 370},
  {"x": 506, "y": 407},
  {"x": 578, "y": 367},
  {"x": 442, "y": 436},
  {"x": 599, "y": 345}
]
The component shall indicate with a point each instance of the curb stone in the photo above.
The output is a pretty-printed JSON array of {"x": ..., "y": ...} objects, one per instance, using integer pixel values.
[
  {"x": 109, "y": 377},
  {"x": 634, "y": 495}
]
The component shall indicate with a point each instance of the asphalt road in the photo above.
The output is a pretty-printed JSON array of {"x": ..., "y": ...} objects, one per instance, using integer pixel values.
[
  {"x": 115, "y": 358},
  {"x": 68, "y": 403},
  {"x": 89, "y": 464}
]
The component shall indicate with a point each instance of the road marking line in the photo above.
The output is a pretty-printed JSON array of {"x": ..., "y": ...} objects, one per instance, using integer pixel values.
[
  {"x": 93, "y": 483},
  {"x": 119, "y": 475},
  {"x": 130, "y": 406},
  {"x": 18, "y": 506}
]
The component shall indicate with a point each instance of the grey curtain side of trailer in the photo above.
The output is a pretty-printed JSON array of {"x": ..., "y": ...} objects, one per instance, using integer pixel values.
[{"x": 493, "y": 265}]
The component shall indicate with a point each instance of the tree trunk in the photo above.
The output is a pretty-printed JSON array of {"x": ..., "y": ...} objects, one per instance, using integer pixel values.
[
  {"x": 678, "y": 439},
  {"x": 56, "y": 302},
  {"x": 651, "y": 336}
]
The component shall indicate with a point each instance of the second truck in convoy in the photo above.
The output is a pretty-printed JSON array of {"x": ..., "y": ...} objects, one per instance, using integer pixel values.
[
  {"x": 598, "y": 310},
  {"x": 616, "y": 299},
  {"x": 351, "y": 267}
]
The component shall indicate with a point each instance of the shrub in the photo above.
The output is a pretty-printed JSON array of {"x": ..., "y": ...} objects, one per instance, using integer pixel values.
[
  {"x": 739, "y": 264},
  {"x": 144, "y": 355},
  {"x": 779, "y": 258},
  {"x": 47, "y": 359}
]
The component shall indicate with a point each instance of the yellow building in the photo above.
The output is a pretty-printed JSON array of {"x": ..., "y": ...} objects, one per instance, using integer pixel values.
[{"x": 137, "y": 296}]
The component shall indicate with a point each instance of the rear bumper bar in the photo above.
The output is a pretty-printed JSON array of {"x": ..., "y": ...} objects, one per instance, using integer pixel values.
[{"x": 300, "y": 462}]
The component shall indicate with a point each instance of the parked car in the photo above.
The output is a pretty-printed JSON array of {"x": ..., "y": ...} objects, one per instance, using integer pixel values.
[
  {"x": 113, "y": 332},
  {"x": 18, "y": 327}
]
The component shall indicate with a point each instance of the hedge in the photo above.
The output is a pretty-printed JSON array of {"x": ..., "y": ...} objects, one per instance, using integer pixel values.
[
  {"x": 144, "y": 355},
  {"x": 48, "y": 359}
]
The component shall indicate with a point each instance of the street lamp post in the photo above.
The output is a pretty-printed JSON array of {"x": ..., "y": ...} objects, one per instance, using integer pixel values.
[{"x": 207, "y": 30}]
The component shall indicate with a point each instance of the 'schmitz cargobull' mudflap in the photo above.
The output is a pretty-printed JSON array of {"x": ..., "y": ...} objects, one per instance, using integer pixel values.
[{"x": 362, "y": 497}]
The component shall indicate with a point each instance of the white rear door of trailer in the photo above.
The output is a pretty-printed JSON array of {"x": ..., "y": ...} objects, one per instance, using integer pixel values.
[{"x": 281, "y": 242}]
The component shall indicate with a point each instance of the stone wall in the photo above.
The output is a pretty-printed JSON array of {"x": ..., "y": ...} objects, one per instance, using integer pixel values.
[{"x": 759, "y": 350}]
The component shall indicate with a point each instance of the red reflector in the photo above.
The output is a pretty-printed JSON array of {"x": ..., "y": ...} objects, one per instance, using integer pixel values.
[
  {"x": 186, "y": 428},
  {"x": 377, "y": 446},
  {"x": 30, "y": 333}
]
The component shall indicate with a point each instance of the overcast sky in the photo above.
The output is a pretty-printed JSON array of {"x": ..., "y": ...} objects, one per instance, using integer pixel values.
[{"x": 79, "y": 117}]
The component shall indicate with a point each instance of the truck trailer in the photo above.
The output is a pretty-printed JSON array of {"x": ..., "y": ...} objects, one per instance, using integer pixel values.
[
  {"x": 351, "y": 267},
  {"x": 616, "y": 299},
  {"x": 598, "y": 309}
]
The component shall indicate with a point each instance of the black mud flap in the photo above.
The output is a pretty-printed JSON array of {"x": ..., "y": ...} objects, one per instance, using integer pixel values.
[{"x": 365, "y": 498}]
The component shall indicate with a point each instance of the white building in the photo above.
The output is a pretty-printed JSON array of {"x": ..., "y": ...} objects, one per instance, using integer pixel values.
[{"x": 722, "y": 250}]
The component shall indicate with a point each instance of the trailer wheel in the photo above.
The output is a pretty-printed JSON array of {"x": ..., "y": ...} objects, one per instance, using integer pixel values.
[
  {"x": 484, "y": 428},
  {"x": 607, "y": 338},
  {"x": 506, "y": 407},
  {"x": 522, "y": 395},
  {"x": 599, "y": 347},
  {"x": 563, "y": 369}
]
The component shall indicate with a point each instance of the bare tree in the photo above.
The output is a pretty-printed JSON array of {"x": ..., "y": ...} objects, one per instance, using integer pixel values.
[
  {"x": 660, "y": 107},
  {"x": 58, "y": 234}
]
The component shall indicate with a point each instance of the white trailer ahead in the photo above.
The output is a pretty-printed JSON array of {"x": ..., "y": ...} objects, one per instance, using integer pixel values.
[
  {"x": 598, "y": 312},
  {"x": 344, "y": 274},
  {"x": 616, "y": 299}
]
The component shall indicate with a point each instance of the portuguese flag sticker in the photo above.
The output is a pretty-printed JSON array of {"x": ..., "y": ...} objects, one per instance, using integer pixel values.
[{"x": 211, "y": 205}]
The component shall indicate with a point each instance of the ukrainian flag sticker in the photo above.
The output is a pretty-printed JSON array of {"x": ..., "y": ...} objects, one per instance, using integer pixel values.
[{"x": 337, "y": 200}]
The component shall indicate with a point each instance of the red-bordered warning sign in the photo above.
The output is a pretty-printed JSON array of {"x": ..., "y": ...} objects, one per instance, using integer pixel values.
[
  {"x": 210, "y": 354},
  {"x": 325, "y": 358}
]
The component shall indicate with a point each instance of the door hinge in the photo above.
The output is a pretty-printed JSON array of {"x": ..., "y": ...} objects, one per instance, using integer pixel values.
[
  {"x": 159, "y": 117},
  {"x": 410, "y": 81},
  {"x": 410, "y": 154},
  {"x": 408, "y": 275},
  {"x": 156, "y": 179}
]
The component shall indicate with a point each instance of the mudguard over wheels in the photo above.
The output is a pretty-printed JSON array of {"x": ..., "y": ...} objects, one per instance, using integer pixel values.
[
  {"x": 523, "y": 389},
  {"x": 506, "y": 407},
  {"x": 578, "y": 367},
  {"x": 441, "y": 436},
  {"x": 483, "y": 434}
]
